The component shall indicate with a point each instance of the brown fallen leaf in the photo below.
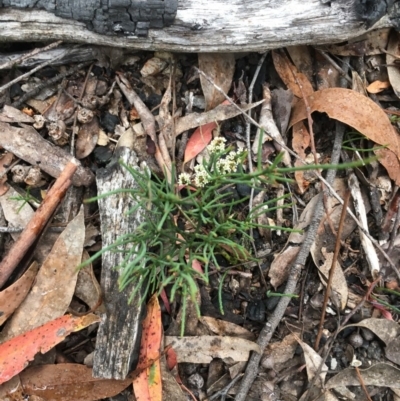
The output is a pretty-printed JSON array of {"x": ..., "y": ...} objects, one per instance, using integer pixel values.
[
  {"x": 300, "y": 142},
  {"x": 69, "y": 382},
  {"x": 353, "y": 109},
  {"x": 16, "y": 212},
  {"x": 391, "y": 163},
  {"x": 287, "y": 71},
  {"x": 220, "y": 67},
  {"x": 381, "y": 375},
  {"x": 378, "y": 86},
  {"x": 88, "y": 136},
  {"x": 55, "y": 283},
  {"x": 12, "y": 296}
]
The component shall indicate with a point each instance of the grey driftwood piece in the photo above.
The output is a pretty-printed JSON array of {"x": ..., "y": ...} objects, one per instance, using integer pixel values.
[
  {"x": 219, "y": 25},
  {"x": 119, "y": 334}
]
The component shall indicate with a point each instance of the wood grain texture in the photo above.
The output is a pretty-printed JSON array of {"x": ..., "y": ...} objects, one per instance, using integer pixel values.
[
  {"x": 119, "y": 334},
  {"x": 215, "y": 25}
]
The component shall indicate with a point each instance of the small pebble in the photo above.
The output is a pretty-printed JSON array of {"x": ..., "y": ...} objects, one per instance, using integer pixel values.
[
  {"x": 196, "y": 380},
  {"x": 367, "y": 334},
  {"x": 355, "y": 340}
]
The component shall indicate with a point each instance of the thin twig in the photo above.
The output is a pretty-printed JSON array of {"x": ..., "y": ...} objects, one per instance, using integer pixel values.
[
  {"x": 12, "y": 63},
  {"x": 250, "y": 161},
  {"x": 361, "y": 380},
  {"x": 332, "y": 270},
  {"x": 30, "y": 72},
  {"x": 48, "y": 83}
]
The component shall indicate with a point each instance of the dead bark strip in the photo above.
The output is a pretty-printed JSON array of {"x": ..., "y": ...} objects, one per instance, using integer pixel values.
[
  {"x": 218, "y": 25},
  {"x": 119, "y": 334}
]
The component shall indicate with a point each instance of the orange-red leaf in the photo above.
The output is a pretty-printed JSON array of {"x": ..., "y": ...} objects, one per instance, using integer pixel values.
[
  {"x": 17, "y": 352},
  {"x": 199, "y": 140},
  {"x": 147, "y": 385}
]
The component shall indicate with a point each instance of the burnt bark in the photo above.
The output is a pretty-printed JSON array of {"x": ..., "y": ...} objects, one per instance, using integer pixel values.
[
  {"x": 108, "y": 17},
  {"x": 204, "y": 25}
]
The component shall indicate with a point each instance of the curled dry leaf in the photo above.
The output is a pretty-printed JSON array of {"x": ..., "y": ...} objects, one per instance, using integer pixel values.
[
  {"x": 220, "y": 67},
  {"x": 289, "y": 74},
  {"x": 381, "y": 375},
  {"x": 353, "y": 109},
  {"x": 12, "y": 296},
  {"x": 388, "y": 331},
  {"x": 391, "y": 162},
  {"x": 88, "y": 136},
  {"x": 313, "y": 362},
  {"x": 378, "y": 86}
]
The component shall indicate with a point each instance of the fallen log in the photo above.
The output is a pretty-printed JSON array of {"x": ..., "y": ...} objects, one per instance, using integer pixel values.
[{"x": 207, "y": 25}]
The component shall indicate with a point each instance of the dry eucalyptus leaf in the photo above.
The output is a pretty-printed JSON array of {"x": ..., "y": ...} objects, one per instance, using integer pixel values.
[
  {"x": 313, "y": 362},
  {"x": 378, "y": 86},
  {"x": 87, "y": 139},
  {"x": 17, "y": 212},
  {"x": 55, "y": 282},
  {"x": 388, "y": 331},
  {"x": 289, "y": 74},
  {"x": 339, "y": 284},
  {"x": 353, "y": 109},
  {"x": 220, "y": 67},
  {"x": 12, "y": 296},
  {"x": 381, "y": 375},
  {"x": 202, "y": 349}
]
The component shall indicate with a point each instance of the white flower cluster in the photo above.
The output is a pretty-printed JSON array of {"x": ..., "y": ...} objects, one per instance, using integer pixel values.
[{"x": 224, "y": 166}]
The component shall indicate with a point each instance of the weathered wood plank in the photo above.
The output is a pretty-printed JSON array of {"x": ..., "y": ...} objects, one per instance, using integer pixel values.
[
  {"x": 119, "y": 334},
  {"x": 220, "y": 25}
]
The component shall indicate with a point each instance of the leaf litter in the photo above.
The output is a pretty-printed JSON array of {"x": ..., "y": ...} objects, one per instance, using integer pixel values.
[{"x": 241, "y": 297}]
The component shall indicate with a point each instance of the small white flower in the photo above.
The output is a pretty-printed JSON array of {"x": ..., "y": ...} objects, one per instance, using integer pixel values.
[
  {"x": 217, "y": 145},
  {"x": 201, "y": 176},
  {"x": 184, "y": 179}
]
